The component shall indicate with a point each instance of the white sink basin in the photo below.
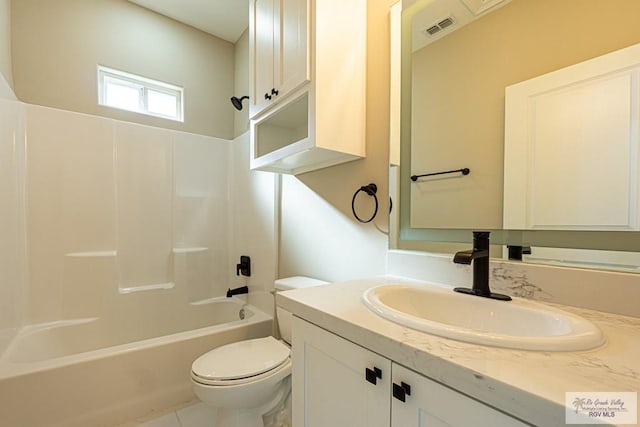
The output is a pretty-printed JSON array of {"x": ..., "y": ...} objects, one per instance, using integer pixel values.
[{"x": 518, "y": 324}]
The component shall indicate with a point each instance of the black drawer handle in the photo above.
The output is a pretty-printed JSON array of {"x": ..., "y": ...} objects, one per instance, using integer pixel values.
[
  {"x": 267, "y": 96},
  {"x": 274, "y": 91},
  {"x": 372, "y": 375},
  {"x": 401, "y": 391}
]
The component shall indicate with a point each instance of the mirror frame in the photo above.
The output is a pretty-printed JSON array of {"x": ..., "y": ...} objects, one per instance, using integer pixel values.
[{"x": 628, "y": 241}]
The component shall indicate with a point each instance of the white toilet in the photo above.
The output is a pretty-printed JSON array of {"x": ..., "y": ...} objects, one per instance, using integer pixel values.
[{"x": 251, "y": 379}]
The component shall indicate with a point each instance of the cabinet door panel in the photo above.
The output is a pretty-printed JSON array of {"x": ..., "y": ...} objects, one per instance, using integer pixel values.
[
  {"x": 261, "y": 51},
  {"x": 433, "y": 405},
  {"x": 292, "y": 60},
  {"x": 329, "y": 386}
]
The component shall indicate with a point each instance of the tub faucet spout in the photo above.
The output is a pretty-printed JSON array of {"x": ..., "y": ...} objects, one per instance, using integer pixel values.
[
  {"x": 237, "y": 291},
  {"x": 479, "y": 255}
]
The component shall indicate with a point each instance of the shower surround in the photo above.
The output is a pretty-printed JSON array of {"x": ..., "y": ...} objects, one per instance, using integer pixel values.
[
  {"x": 116, "y": 205},
  {"x": 119, "y": 242}
]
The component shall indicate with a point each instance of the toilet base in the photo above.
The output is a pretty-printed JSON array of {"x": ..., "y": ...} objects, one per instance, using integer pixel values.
[
  {"x": 280, "y": 415},
  {"x": 275, "y": 413},
  {"x": 238, "y": 418}
]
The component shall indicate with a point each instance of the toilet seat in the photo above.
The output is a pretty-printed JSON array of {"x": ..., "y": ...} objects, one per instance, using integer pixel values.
[
  {"x": 241, "y": 362},
  {"x": 285, "y": 366}
]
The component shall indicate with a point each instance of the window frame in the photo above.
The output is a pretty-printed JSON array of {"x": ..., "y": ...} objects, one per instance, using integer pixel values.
[{"x": 143, "y": 84}]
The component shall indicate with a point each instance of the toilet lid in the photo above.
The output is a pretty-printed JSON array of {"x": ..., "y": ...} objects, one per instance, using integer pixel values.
[{"x": 241, "y": 359}]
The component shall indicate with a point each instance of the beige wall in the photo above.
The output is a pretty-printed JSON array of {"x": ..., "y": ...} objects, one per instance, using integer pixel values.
[
  {"x": 58, "y": 44},
  {"x": 319, "y": 235},
  {"x": 241, "y": 84},
  {"x": 5, "y": 41},
  {"x": 458, "y": 95}
]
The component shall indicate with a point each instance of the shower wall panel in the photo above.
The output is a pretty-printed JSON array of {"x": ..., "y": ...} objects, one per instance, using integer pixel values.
[
  {"x": 143, "y": 206},
  {"x": 12, "y": 228},
  {"x": 201, "y": 217},
  {"x": 70, "y": 211},
  {"x": 124, "y": 221}
]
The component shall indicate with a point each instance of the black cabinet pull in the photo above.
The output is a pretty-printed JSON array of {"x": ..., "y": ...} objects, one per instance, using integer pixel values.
[
  {"x": 267, "y": 96},
  {"x": 401, "y": 391},
  {"x": 372, "y": 375},
  {"x": 274, "y": 91}
]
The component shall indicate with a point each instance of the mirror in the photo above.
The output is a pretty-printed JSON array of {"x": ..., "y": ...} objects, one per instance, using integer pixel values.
[{"x": 457, "y": 59}]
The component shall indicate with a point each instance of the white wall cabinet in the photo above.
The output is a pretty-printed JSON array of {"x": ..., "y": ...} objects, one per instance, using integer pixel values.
[
  {"x": 308, "y": 83},
  {"x": 279, "y": 43},
  {"x": 333, "y": 386}
]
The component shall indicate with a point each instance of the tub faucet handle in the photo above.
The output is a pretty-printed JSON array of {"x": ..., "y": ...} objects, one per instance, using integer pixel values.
[{"x": 244, "y": 267}]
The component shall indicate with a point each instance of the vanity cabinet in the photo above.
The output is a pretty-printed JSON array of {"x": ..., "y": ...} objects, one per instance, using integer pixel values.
[
  {"x": 432, "y": 404},
  {"x": 329, "y": 387},
  {"x": 308, "y": 83},
  {"x": 339, "y": 383}
]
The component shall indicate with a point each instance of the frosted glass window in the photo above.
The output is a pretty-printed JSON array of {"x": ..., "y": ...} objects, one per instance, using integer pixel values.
[{"x": 126, "y": 91}]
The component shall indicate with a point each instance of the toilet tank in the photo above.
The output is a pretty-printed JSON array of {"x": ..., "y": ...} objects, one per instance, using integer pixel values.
[{"x": 283, "y": 316}]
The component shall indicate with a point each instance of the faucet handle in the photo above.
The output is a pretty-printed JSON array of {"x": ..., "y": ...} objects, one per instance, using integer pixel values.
[{"x": 244, "y": 267}]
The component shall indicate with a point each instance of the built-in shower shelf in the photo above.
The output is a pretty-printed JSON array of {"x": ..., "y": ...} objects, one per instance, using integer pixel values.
[
  {"x": 145, "y": 288},
  {"x": 207, "y": 301},
  {"x": 100, "y": 254},
  {"x": 94, "y": 254},
  {"x": 189, "y": 250}
]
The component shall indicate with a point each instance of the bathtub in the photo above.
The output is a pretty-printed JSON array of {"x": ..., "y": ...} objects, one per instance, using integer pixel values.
[{"x": 84, "y": 372}]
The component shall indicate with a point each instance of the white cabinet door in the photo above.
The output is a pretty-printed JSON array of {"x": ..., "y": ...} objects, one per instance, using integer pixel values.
[
  {"x": 279, "y": 50},
  {"x": 329, "y": 384},
  {"x": 292, "y": 54},
  {"x": 262, "y": 22},
  {"x": 429, "y": 404}
]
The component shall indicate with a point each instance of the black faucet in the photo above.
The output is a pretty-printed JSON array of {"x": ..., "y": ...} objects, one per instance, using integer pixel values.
[
  {"x": 480, "y": 257},
  {"x": 237, "y": 291}
]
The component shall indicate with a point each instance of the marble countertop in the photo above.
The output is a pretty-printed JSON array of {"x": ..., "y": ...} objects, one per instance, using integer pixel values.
[{"x": 529, "y": 385}]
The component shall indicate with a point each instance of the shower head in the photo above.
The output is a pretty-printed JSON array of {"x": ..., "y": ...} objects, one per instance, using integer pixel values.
[{"x": 237, "y": 102}]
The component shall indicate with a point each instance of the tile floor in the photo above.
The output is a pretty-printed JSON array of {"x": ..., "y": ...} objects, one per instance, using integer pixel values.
[{"x": 195, "y": 414}]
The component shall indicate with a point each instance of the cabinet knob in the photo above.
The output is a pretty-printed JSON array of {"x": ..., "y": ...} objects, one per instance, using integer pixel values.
[
  {"x": 267, "y": 96},
  {"x": 372, "y": 375},
  {"x": 274, "y": 91},
  {"x": 401, "y": 391}
]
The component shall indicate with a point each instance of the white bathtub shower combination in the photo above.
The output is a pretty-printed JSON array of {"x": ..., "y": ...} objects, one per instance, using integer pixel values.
[
  {"x": 118, "y": 250},
  {"x": 43, "y": 381}
]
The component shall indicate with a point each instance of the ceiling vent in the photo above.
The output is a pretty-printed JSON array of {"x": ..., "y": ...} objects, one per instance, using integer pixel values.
[{"x": 440, "y": 25}]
